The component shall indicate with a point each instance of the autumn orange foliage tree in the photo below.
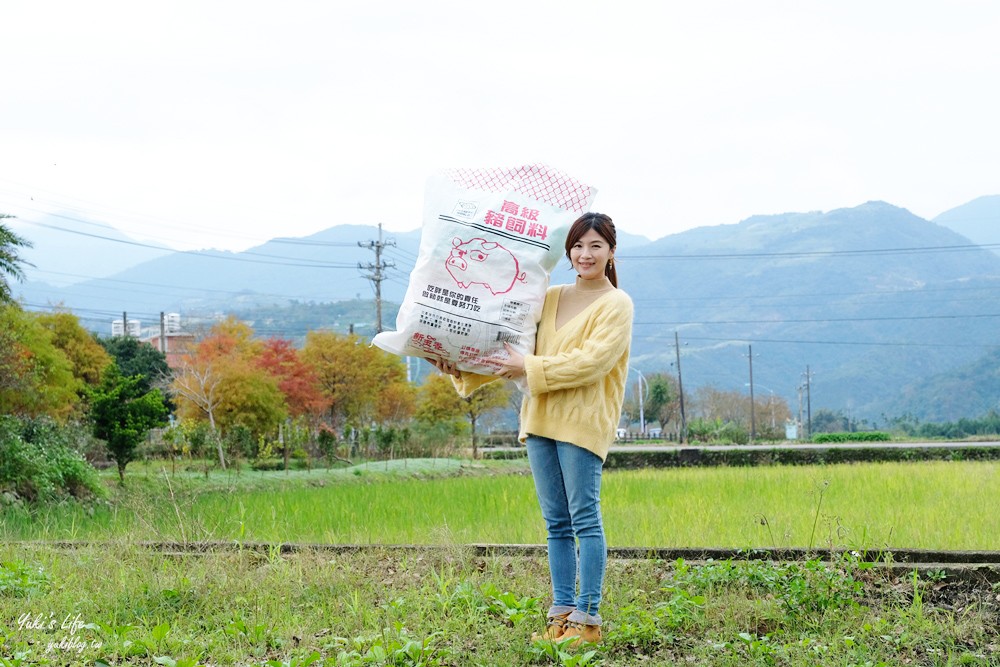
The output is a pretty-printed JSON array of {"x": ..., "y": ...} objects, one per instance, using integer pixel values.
[
  {"x": 360, "y": 383},
  {"x": 296, "y": 379},
  {"x": 220, "y": 380},
  {"x": 229, "y": 378}
]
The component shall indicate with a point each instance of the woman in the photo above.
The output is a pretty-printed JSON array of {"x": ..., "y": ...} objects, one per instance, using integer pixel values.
[{"x": 576, "y": 383}]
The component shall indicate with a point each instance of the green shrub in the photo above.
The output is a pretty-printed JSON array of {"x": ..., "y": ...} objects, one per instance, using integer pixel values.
[
  {"x": 268, "y": 464},
  {"x": 761, "y": 456},
  {"x": 717, "y": 432},
  {"x": 860, "y": 436},
  {"x": 38, "y": 461}
]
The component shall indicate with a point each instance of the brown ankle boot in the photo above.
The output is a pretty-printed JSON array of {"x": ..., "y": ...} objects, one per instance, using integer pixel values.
[
  {"x": 555, "y": 626},
  {"x": 583, "y": 633}
]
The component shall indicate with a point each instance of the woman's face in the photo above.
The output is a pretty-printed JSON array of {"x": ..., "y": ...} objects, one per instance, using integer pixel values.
[{"x": 590, "y": 254}]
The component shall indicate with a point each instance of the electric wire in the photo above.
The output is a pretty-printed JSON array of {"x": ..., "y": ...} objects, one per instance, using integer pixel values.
[{"x": 400, "y": 278}]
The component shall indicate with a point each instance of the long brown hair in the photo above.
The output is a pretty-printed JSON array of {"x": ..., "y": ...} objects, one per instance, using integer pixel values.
[{"x": 602, "y": 224}]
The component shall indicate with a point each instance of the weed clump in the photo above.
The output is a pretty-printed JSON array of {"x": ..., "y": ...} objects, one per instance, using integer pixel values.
[{"x": 39, "y": 463}]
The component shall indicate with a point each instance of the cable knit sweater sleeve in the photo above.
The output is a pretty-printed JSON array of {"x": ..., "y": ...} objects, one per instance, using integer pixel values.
[{"x": 576, "y": 378}]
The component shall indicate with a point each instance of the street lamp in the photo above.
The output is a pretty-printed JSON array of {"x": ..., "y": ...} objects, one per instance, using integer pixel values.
[{"x": 642, "y": 415}]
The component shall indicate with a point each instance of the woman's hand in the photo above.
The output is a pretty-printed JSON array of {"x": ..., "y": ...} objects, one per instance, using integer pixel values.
[
  {"x": 445, "y": 366},
  {"x": 513, "y": 367}
]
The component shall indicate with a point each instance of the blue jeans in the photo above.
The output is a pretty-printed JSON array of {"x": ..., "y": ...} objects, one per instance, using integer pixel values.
[{"x": 568, "y": 484}]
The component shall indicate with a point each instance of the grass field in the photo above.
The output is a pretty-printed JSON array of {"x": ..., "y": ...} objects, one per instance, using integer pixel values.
[
  {"x": 115, "y": 603},
  {"x": 939, "y": 505}
]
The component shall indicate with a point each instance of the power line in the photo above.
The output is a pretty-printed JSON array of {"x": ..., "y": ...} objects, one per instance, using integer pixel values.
[
  {"x": 819, "y": 253},
  {"x": 94, "y": 282},
  {"x": 815, "y": 295},
  {"x": 825, "y": 319},
  {"x": 200, "y": 253},
  {"x": 744, "y": 340}
]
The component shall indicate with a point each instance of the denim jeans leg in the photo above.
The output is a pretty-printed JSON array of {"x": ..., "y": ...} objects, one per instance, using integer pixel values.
[
  {"x": 581, "y": 470},
  {"x": 549, "y": 486}
]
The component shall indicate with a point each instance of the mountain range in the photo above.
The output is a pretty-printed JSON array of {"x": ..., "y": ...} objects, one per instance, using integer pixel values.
[{"x": 890, "y": 313}]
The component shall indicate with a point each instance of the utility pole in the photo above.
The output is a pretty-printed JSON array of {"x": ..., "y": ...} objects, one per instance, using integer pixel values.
[
  {"x": 800, "y": 422},
  {"x": 753, "y": 410},
  {"x": 376, "y": 269},
  {"x": 163, "y": 332},
  {"x": 808, "y": 383},
  {"x": 680, "y": 388}
]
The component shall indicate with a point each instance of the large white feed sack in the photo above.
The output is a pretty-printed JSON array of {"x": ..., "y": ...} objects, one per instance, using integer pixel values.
[{"x": 489, "y": 242}]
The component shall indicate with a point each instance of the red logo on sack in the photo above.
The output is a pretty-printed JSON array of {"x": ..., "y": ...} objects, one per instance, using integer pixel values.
[{"x": 482, "y": 262}]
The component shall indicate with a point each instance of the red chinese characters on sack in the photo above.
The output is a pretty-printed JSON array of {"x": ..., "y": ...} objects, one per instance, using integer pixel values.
[
  {"x": 518, "y": 219},
  {"x": 428, "y": 343}
]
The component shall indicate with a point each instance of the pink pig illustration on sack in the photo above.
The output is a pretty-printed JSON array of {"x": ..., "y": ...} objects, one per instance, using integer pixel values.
[{"x": 478, "y": 261}]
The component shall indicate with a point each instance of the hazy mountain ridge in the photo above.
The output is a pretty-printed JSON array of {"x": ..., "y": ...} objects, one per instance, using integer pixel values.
[
  {"x": 841, "y": 311},
  {"x": 971, "y": 390},
  {"x": 978, "y": 220},
  {"x": 320, "y": 267},
  {"x": 864, "y": 296},
  {"x": 66, "y": 248}
]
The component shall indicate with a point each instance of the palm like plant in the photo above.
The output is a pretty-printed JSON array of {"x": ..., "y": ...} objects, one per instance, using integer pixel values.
[{"x": 10, "y": 261}]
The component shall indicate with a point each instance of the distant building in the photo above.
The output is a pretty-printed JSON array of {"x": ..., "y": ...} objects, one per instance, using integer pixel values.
[
  {"x": 134, "y": 329},
  {"x": 169, "y": 337}
]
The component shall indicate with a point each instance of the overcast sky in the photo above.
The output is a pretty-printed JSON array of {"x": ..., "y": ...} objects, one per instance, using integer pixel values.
[{"x": 223, "y": 124}]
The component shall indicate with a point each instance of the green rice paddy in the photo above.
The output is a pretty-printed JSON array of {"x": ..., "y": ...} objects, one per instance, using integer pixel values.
[{"x": 933, "y": 505}]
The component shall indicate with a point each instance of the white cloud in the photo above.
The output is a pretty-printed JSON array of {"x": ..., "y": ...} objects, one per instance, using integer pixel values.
[{"x": 226, "y": 123}]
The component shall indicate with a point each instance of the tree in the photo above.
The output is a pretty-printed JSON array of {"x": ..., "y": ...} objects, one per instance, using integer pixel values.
[
  {"x": 13, "y": 360},
  {"x": 195, "y": 386},
  {"x": 229, "y": 338},
  {"x": 224, "y": 361},
  {"x": 133, "y": 357},
  {"x": 87, "y": 356},
  {"x": 729, "y": 406},
  {"x": 250, "y": 398},
  {"x": 828, "y": 421},
  {"x": 772, "y": 412},
  {"x": 10, "y": 261},
  {"x": 36, "y": 377},
  {"x": 122, "y": 414},
  {"x": 397, "y": 402},
  {"x": 296, "y": 379},
  {"x": 486, "y": 399},
  {"x": 354, "y": 377},
  {"x": 662, "y": 403},
  {"x": 440, "y": 403},
  {"x": 733, "y": 407}
]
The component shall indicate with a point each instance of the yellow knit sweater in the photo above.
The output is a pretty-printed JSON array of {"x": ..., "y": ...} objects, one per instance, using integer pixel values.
[{"x": 576, "y": 378}]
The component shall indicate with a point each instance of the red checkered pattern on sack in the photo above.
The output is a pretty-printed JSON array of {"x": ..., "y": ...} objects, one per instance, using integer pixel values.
[{"x": 535, "y": 180}]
